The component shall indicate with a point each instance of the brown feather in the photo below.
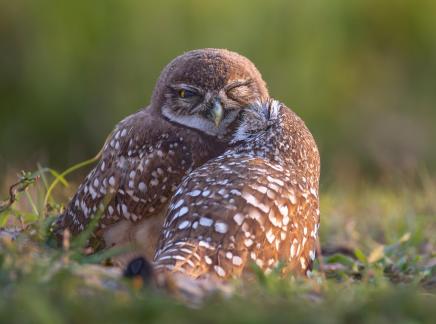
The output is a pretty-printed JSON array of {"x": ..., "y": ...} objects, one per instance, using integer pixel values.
[
  {"x": 146, "y": 156},
  {"x": 257, "y": 202}
]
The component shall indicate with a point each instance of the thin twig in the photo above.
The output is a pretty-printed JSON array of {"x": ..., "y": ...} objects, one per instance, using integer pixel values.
[{"x": 26, "y": 179}]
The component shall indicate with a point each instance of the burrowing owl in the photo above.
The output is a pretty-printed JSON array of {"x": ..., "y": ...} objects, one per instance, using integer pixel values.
[
  {"x": 194, "y": 108},
  {"x": 257, "y": 202}
]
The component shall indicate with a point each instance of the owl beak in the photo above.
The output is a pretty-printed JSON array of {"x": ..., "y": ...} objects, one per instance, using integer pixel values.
[{"x": 217, "y": 112}]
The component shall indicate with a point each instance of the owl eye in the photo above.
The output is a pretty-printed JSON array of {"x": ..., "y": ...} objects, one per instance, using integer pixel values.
[{"x": 186, "y": 93}]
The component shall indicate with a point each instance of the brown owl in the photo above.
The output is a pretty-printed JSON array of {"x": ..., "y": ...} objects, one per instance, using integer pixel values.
[
  {"x": 194, "y": 109},
  {"x": 257, "y": 202}
]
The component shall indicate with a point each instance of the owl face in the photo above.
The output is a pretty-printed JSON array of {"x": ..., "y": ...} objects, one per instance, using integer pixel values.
[
  {"x": 207, "y": 89},
  {"x": 211, "y": 111}
]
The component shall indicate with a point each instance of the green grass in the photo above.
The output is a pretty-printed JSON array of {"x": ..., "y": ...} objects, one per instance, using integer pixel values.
[{"x": 380, "y": 266}]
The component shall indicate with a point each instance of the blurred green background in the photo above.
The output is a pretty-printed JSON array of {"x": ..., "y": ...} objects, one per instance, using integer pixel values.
[{"x": 361, "y": 73}]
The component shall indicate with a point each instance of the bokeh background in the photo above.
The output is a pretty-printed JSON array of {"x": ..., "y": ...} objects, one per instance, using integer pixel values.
[{"x": 361, "y": 73}]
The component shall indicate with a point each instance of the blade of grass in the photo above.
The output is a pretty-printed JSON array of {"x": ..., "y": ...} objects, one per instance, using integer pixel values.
[
  {"x": 59, "y": 177},
  {"x": 4, "y": 216},
  {"x": 42, "y": 172},
  {"x": 32, "y": 203}
]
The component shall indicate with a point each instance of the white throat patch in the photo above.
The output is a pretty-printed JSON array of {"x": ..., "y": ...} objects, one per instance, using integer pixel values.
[{"x": 200, "y": 123}]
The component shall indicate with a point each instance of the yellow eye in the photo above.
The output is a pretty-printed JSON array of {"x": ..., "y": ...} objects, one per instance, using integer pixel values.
[{"x": 186, "y": 93}]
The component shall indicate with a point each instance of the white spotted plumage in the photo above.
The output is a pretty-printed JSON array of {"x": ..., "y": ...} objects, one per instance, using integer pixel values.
[
  {"x": 257, "y": 202},
  {"x": 147, "y": 154}
]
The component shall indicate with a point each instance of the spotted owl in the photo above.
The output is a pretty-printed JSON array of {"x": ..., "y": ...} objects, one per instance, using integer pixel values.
[
  {"x": 194, "y": 109},
  {"x": 255, "y": 203}
]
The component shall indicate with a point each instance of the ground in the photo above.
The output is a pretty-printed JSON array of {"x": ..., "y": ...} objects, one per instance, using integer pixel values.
[{"x": 379, "y": 266}]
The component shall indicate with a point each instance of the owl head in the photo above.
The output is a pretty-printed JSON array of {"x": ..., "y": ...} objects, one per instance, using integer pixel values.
[
  {"x": 206, "y": 90},
  {"x": 256, "y": 118}
]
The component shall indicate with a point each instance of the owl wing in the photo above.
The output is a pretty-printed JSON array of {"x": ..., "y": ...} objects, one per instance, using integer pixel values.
[
  {"x": 140, "y": 167},
  {"x": 236, "y": 210}
]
